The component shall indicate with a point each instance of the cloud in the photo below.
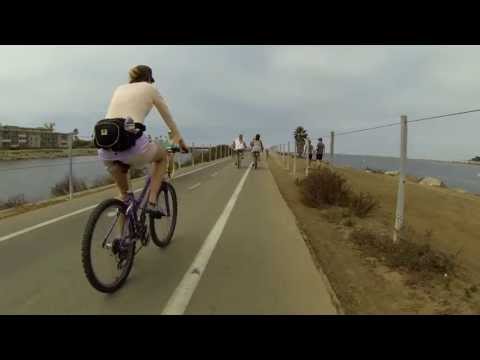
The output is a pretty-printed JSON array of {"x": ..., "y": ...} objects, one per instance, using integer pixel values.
[{"x": 216, "y": 92}]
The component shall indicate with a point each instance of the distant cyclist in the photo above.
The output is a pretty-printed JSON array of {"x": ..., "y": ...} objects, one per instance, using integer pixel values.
[
  {"x": 239, "y": 146},
  {"x": 257, "y": 147}
]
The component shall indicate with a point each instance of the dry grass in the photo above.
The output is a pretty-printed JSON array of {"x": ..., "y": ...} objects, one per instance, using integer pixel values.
[
  {"x": 362, "y": 204},
  {"x": 413, "y": 253},
  {"x": 324, "y": 187},
  {"x": 348, "y": 222},
  {"x": 13, "y": 201},
  {"x": 422, "y": 274},
  {"x": 63, "y": 188}
]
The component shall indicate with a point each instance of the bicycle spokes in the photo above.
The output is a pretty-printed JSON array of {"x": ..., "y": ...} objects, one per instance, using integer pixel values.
[
  {"x": 167, "y": 203},
  {"x": 110, "y": 231}
]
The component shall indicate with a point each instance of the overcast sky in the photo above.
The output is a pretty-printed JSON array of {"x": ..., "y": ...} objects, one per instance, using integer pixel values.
[{"x": 216, "y": 92}]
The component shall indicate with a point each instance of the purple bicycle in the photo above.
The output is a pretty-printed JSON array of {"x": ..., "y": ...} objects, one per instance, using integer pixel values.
[{"x": 114, "y": 228}]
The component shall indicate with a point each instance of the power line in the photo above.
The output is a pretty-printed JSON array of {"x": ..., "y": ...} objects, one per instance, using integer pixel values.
[
  {"x": 367, "y": 129},
  {"x": 446, "y": 115},
  {"x": 410, "y": 121}
]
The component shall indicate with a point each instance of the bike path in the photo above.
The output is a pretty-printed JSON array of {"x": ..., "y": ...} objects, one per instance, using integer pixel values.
[{"x": 260, "y": 265}]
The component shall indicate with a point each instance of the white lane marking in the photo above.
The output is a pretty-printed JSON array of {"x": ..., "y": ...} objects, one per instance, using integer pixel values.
[
  {"x": 189, "y": 172},
  {"x": 54, "y": 220},
  {"x": 34, "y": 227},
  {"x": 214, "y": 174},
  {"x": 193, "y": 187},
  {"x": 180, "y": 298}
]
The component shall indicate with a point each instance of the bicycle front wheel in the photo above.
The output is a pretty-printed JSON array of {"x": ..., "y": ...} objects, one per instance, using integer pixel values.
[
  {"x": 162, "y": 229},
  {"x": 107, "y": 259}
]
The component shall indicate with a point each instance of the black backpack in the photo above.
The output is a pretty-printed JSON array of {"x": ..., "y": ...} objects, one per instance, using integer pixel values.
[{"x": 110, "y": 134}]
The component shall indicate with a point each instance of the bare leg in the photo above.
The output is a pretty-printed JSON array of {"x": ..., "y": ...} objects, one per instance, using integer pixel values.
[
  {"x": 121, "y": 179},
  {"x": 158, "y": 172}
]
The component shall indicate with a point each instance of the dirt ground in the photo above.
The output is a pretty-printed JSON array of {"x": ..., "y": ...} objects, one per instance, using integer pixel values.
[{"x": 364, "y": 284}]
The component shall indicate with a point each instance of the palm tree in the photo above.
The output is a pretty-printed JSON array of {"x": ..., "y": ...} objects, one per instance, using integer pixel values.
[
  {"x": 300, "y": 134},
  {"x": 50, "y": 125}
]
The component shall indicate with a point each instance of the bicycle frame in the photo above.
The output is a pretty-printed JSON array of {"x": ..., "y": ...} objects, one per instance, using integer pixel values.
[{"x": 133, "y": 205}]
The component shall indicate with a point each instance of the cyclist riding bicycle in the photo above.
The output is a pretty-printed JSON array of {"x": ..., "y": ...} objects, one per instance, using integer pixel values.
[
  {"x": 126, "y": 114},
  {"x": 239, "y": 146}
]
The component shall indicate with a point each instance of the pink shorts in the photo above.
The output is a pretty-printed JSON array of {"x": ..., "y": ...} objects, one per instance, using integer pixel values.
[{"x": 143, "y": 153}]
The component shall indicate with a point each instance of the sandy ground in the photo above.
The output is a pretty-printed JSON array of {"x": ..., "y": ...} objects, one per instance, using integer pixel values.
[{"x": 364, "y": 285}]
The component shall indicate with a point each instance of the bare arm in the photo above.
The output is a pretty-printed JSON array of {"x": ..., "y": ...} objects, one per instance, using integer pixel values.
[{"x": 164, "y": 111}]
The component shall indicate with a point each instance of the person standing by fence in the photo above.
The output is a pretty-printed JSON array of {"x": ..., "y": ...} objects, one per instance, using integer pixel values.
[
  {"x": 320, "y": 151},
  {"x": 308, "y": 150}
]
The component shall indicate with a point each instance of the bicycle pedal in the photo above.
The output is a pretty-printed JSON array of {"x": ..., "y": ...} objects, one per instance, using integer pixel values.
[{"x": 156, "y": 214}]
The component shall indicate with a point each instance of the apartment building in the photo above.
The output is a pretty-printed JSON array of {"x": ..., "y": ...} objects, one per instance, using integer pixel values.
[{"x": 14, "y": 137}]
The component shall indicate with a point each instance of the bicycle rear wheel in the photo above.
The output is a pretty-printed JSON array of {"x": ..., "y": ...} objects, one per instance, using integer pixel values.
[
  {"x": 162, "y": 229},
  {"x": 107, "y": 262}
]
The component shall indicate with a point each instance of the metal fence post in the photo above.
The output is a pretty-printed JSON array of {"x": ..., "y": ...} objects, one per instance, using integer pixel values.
[
  {"x": 295, "y": 159},
  {"x": 307, "y": 163},
  {"x": 70, "y": 175},
  {"x": 288, "y": 156},
  {"x": 193, "y": 153},
  {"x": 400, "y": 211},
  {"x": 332, "y": 146}
]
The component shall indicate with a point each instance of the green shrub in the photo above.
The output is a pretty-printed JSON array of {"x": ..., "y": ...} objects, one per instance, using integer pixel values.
[{"x": 324, "y": 187}]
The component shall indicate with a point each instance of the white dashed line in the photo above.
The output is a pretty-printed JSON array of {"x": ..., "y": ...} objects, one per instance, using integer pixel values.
[
  {"x": 193, "y": 187},
  {"x": 80, "y": 211},
  {"x": 178, "y": 302}
]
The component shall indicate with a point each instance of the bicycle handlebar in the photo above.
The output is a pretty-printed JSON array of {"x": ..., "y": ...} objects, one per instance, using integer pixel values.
[{"x": 175, "y": 149}]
